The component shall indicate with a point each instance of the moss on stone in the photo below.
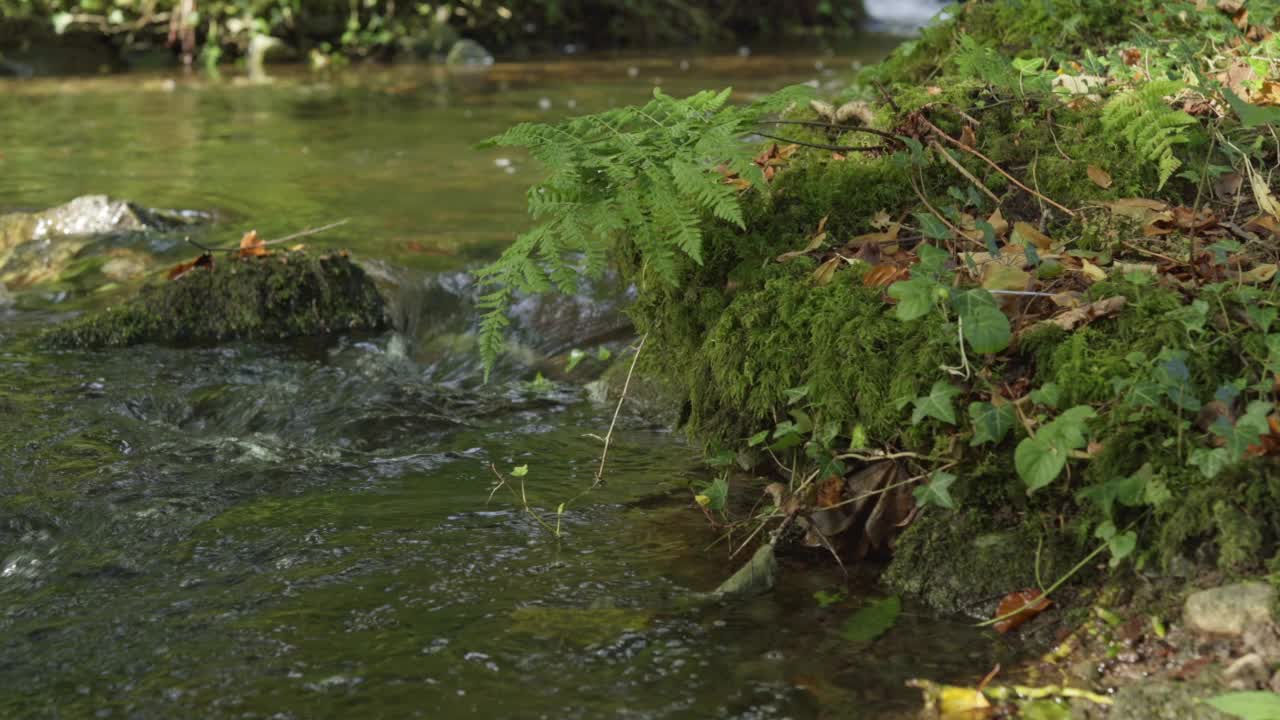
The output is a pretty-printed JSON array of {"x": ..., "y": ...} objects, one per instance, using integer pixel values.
[{"x": 256, "y": 298}]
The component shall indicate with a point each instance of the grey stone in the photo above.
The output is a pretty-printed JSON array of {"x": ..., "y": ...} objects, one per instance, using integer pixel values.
[
  {"x": 1247, "y": 673},
  {"x": 757, "y": 577},
  {"x": 1230, "y": 609},
  {"x": 1264, "y": 639},
  {"x": 1275, "y": 682},
  {"x": 468, "y": 54},
  {"x": 1165, "y": 700}
]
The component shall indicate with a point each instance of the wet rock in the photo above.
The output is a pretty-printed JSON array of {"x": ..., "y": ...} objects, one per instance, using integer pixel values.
[
  {"x": 468, "y": 54},
  {"x": 255, "y": 298},
  {"x": 1230, "y": 609},
  {"x": 1165, "y": 700},
  {"x": 648, "y": 398},
  {"x": 88, "y": 215},
  {"x": 1247, "y": 673},
  {"x": 757, "y": 577}
]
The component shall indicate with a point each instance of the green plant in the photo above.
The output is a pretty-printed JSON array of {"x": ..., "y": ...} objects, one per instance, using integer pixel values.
[
  {"x": 650, "y": 173},
  {"x": 1152, "y": 128}
]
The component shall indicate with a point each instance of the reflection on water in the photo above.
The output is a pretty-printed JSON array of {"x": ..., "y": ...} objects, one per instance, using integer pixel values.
[{"x": 305, "y": 531}]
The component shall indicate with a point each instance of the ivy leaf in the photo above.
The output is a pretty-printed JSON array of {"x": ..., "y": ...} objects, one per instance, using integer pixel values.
[
  {"x": 931, "y": 227},
  {"x": 1040, "y": 459},
  {"x": 1248, "y": 705},
  {"x": 1048, "y": 395},
  {"x": 1130, "y": 491},
  {"x": 872, "y": 621},
  {"x": 939, "y": 404},
  {"x": 1210, "y": 462},
  {"x": 990, "y": 423},
  {"x": 914, "y": 296},
  {"x": 758, "y": 438},
  {"x": 985, "y": 327},
  {"x": 933, "y": 260},
  {"x": 937, "y": 491},
  {"x": 1251, "y": 115},
  {"x": 715, "y": 494}
]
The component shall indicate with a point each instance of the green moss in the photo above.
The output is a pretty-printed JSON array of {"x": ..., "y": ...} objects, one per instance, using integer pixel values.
[
  {"x": 962, "y": 562},
  {"x": 274, "y": 297}
]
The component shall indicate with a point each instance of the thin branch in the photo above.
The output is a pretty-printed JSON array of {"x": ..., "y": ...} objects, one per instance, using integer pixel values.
[
  {"x": 842, "y": 128},
  {"x": 952, "y": 141},
  {"x": 604, "y": 455},
  {"x": 964, "y": 171},
  {"x": 820, "y": 146}
]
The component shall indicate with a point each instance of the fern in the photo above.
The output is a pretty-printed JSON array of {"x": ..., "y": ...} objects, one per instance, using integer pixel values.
[
  {"x": 1152, "y": 128},
  {"x": 648, "y": 172}
]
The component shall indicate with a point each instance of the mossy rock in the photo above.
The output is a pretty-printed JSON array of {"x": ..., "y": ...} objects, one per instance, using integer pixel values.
[
  {"x": 254, "y": 298},
  {"x": 964, "y": 562}
]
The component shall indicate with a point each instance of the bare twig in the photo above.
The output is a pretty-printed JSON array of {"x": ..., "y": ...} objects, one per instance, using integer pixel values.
[
  {"x": 604, "y": 454},
  {"x": 964, "y": 171},
  {"x": 965, "y": 148},
  {"x": 887, "y": 97},
  {"x": 842, "y": 128},
  {"x": 820, "y": 146}
]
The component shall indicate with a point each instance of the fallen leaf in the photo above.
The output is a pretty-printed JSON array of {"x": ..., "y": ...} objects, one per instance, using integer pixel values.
[
  {"x": 1228, "y": 185},
  {"x": 881, "y": 220},
  {"x": 1140, "y": 209},
  {"x": 883, "y": 275},
  {"x": 826, "y": 271},
  {"x": 958, "y": 703},
  {"x": 830, "y": 491},
  {"x": 1264, "y": 224},
  {"x": 1067, "y": 299},
  {"x": 998, "y": 276},
  {"x": 1124, "y": 268},
  {"x": 967, "y": 137},
  {"x": 815, "y": 241},
  {"x": 1267, "y": 202},
  {"x": 204, "y": 261},
  {"x": 251, "y": 245},
  {"x": 1072, "y": 319},
  {"x": 1029, "y": 236},
  {"x": 1259, "y": 274},
  {"x": 998, "y": 223},
  {"x": 1100, "y": 177},
  {"x": 1091, "y": 271},
  {"x": 1020, "y": 606}
]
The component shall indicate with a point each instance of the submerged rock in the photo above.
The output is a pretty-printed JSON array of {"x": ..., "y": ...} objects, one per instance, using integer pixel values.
[
  {"x": 1231, "y": 609},
  {"x": 468, "y": 54},
  {"x": 253, "y": 298}
]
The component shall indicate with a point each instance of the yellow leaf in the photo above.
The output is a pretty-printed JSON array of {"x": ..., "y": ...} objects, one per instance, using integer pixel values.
[
  {"x": 1267, "y": 202},
  {"x": 998, "y": 223},
  {"x": 826, "y": 271},
  {"x": 955, "y": 703},
  {"x": 702, "y": 500},
  {"x": 1029, "y": 236},
  {"x": 998, "y": 276},
  {"x": 1100, "y": 177},
  {"x": 1091, "y": 271},
  {"x": 1259, "y": 274}
]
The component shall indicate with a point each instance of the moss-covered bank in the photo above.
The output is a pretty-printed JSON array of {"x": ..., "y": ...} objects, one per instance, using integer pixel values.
[
  {"x": 239, "y": 298},
  {"x": 1112, "y": 141}
]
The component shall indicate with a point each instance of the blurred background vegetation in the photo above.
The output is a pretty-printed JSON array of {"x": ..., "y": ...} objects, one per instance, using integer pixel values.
[{"x": 213, "y": 31}]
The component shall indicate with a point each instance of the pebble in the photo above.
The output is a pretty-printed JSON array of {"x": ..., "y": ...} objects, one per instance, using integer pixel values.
[
  {"x": 1247, "y": 673},
  {"x": 1230, "y": 609}
]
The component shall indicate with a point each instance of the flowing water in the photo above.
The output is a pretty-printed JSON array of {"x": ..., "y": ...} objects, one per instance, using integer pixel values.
[{"x": 306, "y": 530}]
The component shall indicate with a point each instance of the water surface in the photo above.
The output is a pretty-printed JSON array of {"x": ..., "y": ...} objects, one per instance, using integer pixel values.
[{"x": 307, "y": 530}]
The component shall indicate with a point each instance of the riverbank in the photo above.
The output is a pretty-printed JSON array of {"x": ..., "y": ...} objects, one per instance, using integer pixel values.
[
  {"x": 1001, "y": 311},
  {"x": 79, "y": 36}
]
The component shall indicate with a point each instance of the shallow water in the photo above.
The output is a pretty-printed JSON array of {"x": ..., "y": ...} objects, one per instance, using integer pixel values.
[{"x": 306, "y": 530}]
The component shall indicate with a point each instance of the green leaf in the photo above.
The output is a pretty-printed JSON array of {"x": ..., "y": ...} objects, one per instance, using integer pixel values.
[
  {"x": 827, "y": 598},
  {"x": 933, "y": 260},
  {"x": 939, "y": 404},
  {"x": 1122, "y": 546},
  {"x": 1048, "y": 395},
  {"x": 1041, "y": 458},
  {"x": 1129, "y": 491},
  {"x": 1248, "y": 705},
  {"x": 1251, "y": 115},
  {"x": 758, "y": 438},
  {"x": 985, "y": 327},
  {"x": 520, "y": 471},
  {"x": 914, "y": 296},
  {"x": 872, "y": 621},
  {"x": 717, "y": 493},
  {"x": 1210, "y": 462},
  {"x": 937, "y": 491},
  {"x": 61, "y": 21},
  {"x": 932, "y": 227},
  {"x": 990, "y": 423}
]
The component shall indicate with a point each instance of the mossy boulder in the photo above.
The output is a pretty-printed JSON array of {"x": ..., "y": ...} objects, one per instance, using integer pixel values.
[{"x": 251, "y": 298}]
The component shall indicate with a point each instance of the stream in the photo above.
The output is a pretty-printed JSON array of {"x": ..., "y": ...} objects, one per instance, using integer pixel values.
[{"x": 306, "y": 530}]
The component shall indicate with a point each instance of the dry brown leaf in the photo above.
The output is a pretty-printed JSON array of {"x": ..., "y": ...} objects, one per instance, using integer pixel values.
[
  {"x": 1226, "y": 186},
  {"x": 1258, "y": 275},
  {"x": 826, "y": 271},
  {"x": 1072, "y": 319},
  {"x": 251, "y": 245},
  {"x": 1266, "y": 200},
  {"x": 998, "y": 223},
  {"x": 1028, "y": 235},
  {"x": 1100, "y": 177},
  {"x": 1024, "y": 605},
  {"x": 1264, "y": 225},
  {"x": 883, "y": 275},
  {"x": 830, "y": 491},
  {"x": 968, "y": 138},
  {"x": 204, "y": 261}
]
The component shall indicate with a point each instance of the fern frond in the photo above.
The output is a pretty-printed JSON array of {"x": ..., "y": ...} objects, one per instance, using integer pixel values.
[
  {"x": 647, "y": 172},
  {"x": 1143, "y": 117}
]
